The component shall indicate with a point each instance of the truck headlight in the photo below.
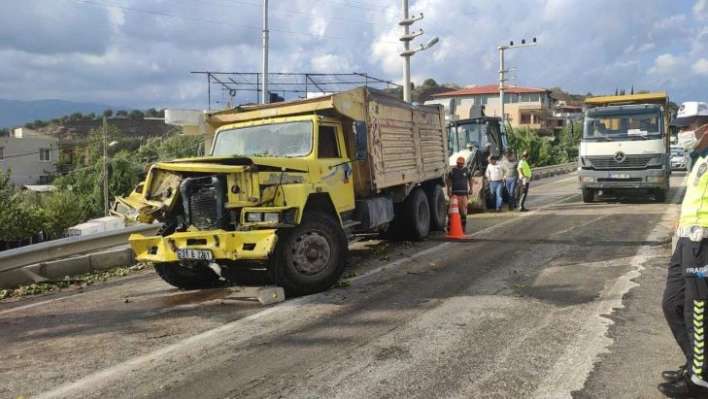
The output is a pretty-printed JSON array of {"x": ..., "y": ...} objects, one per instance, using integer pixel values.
[
  {"x": 655, "y": 179},
  {"x": 255, "y": 217},
  {"x": 273, "y": 217},
  {"x": 587, "y": 179}
]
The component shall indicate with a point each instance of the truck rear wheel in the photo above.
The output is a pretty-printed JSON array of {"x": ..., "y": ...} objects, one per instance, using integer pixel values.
[
  {"x": 416, "y": 215},
  {"x": 438, "y": 208},
  {"x": 189, "y": 277},
  {"x": 309, "y": 258},
  {"x": 588, "y": 195}
]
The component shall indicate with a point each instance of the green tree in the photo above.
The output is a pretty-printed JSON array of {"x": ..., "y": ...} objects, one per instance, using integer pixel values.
[
  {"x": 75, "y": 117},
  {"x": 136, "y": 114},
  {"x": 108, "y": 113},
  {"x": 168, "y": 149},
  {"x": 122, "y": 114},
  {"x": 87, "y": 181},
  {"x": 20, "y": 218},
  {"x": 61, "y": 211}
]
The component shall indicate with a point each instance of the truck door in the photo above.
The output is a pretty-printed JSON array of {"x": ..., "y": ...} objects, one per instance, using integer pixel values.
[{"x": 336, "y": 169}]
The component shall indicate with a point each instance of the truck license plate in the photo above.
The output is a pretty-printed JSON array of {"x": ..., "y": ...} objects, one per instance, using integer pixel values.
[
  {"x": 200, "y": 254},
  {"x": 619, "y": 176}
]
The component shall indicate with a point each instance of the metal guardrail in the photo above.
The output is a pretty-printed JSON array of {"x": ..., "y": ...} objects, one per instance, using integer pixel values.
[
  {"x": 31, "y": 254},
  {"x": 553, "y": 170}
]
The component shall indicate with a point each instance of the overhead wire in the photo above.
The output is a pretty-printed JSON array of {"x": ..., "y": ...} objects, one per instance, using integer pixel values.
[{"x": 225, "y": 23}]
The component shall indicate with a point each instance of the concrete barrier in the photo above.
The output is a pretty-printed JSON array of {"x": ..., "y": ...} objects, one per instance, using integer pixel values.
[{"x": 73, "y": 266}]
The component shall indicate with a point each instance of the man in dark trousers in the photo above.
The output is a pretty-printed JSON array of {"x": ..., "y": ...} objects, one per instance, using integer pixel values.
[
  {"x": 685, "y": 301},
  {"x": 459, "y": 184},
  {"x": 525, "y": 177}
]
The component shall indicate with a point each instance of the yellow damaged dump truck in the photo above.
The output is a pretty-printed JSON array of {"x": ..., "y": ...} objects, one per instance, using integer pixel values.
[{"x": 286, "y": 187}]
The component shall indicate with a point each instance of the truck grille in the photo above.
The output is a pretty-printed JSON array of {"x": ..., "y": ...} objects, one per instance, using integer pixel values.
[
  {"x": 630, "y": 161},
  {"x": 203, "y": 201},
  {"x": 202, "y": 208}
]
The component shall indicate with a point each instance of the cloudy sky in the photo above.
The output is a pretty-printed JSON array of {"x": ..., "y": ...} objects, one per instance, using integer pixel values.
[{"x": 140, "y": 53}]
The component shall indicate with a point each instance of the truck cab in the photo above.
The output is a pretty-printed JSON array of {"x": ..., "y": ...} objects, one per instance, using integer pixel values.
[
  {"x": 625, "y": 148},
  {"x": 475, "y": 139}
]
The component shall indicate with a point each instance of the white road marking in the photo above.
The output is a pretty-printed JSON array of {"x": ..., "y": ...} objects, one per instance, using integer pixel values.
[{"x": 574, "y": 366}]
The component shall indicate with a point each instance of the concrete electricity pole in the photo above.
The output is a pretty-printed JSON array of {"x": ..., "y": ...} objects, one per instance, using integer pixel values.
[
  {"x": 407, "y": 52},
  {"x": 105, "y": 167},
  {"x": 266, "y": 96},
  {"x": 502, "y": 71}
]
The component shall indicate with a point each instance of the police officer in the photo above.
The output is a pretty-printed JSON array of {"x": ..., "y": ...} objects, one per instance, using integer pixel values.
[
  {"x": 459, "y": 184},
  {"x": 685, "y": 301}
]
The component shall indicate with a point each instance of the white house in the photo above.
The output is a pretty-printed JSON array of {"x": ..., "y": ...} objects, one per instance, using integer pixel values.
[{"x": 29, "y": 156}]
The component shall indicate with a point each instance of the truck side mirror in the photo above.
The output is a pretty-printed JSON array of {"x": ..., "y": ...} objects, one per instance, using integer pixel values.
[{"x": 361, "y": 141}]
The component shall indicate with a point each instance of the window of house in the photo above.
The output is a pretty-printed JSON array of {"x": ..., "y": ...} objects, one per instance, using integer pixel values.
[
  {"x": 45, "y": 154},
  {"x": 327, "y": 143},
  {"x": 45, "y": 179},
  {"x": 525, "y": 119},
  {"x": 2, "y": 153},
  {"x": 67, "y": 157}
]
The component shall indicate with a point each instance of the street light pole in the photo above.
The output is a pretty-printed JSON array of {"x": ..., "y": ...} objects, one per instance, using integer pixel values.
[
  {"x": 105, "y": 167},
  {"x": 407, "y": 52},
  {"x": 266, "y": 96},
  {"x": 502, "y": 71}
]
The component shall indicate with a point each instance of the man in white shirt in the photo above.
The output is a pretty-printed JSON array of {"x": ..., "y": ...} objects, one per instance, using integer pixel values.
[{"x": 495, "y": 174}]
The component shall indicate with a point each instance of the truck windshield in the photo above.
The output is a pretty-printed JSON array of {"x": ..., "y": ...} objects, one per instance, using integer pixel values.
[
  {"x": 286, "y": 139},
  {"x": 623, "y": 127},
  {"x": 480, "y": 135}
]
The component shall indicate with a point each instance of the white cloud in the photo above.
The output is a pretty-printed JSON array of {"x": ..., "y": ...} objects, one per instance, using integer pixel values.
[
  {"x": 664, "y": 64},
  {"x": 700, "y": 67},
  {"x": 700, "y": 10},
  {"x": 143, "y": 59},
  {"x": 332, "y": 63}
]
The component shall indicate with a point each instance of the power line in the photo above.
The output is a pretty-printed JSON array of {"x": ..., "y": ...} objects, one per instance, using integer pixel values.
[
  {"x": 226, "y": 23},
  {"x": 282, "y": 10}
]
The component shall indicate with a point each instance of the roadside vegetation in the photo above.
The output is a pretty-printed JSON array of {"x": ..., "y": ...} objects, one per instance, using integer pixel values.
[{"x": 77, "y": 283}]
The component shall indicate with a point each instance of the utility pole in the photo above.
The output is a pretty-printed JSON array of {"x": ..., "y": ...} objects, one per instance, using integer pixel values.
[
  {"x": 266, "y": 95},
  {"x": 105, "y": 167},
  {"x": 407, "y": 52},
  {"x": 502, "y": 71}
]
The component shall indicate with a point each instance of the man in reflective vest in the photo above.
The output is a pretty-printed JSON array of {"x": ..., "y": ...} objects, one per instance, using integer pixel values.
[
  {"x": 685, "y": 301},
  {"x": 459, "y": 184},
  {"x": 525, "y": 175}
]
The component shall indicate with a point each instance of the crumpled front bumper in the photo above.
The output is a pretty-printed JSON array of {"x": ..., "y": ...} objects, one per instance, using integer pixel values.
[{"x": 224, "y": 245}]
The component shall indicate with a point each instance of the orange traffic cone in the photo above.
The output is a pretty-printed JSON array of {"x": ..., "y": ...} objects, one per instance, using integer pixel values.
[{"x": 455, "y": 221}]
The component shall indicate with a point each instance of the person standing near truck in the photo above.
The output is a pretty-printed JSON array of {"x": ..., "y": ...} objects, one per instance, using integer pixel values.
[
  {"x": 525, "y": 174},
  {"x": 685, "y": 300},
  {"x": 495, "y": 175},
  {"x": 511, "y": 175},
  {"x": 459, "y": 184}
]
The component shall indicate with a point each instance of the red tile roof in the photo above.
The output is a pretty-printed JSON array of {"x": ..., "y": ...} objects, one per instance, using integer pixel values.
[{"x": 489, "y": 89}]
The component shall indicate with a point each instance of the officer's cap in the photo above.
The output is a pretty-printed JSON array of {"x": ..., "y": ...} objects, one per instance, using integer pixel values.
[{"x": 689, "y": 111}]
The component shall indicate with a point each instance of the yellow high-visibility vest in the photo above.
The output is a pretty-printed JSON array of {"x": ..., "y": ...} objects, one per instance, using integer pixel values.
[{"x": 694, "y": 208}]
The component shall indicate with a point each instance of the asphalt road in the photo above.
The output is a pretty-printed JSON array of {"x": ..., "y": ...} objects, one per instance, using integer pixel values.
[{"x": 560, "y": 302}]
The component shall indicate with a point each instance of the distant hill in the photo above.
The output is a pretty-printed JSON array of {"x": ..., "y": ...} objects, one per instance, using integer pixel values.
[{"x": 15, "y": 113}]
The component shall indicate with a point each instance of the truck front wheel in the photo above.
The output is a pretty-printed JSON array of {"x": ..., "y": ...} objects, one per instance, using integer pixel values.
[
  {"x": 588, "y": 195},
  {"x": 309, "y": 258},
  {"x": 660, "y": 195},
  {"x": 189, "y": 276}
]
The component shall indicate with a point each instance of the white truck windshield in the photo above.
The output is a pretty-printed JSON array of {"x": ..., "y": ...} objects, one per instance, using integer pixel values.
[
  {"x": 623, "y": 127},
  {"x": 286, "y": 139}
]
